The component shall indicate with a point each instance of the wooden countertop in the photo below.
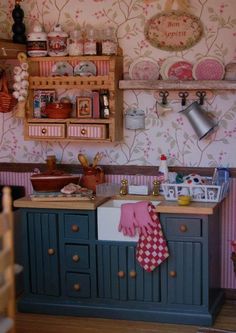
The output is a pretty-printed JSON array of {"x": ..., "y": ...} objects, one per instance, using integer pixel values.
[
  {"x": 205, "y": 208},
  {"x": 89, "y": 204},
  {"x": 202, "y": 208}
]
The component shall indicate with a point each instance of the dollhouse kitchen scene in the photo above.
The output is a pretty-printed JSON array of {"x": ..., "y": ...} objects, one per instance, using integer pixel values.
[{"x": 117, "y": 166}]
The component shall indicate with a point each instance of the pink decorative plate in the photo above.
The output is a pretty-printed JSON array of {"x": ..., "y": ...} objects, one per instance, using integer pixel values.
[
  {"x": 180, "y": 70},
  {"x": 208, "y": 68},
  {"x": 144, "y": 69},
  {"x": 165, "y": 66}
]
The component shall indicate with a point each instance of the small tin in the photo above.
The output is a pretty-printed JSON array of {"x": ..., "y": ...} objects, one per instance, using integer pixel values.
[
  {"x": 57, "y": 42},
  {"x": 37, "y": 42},
  {"x": 135, "y": 119}
]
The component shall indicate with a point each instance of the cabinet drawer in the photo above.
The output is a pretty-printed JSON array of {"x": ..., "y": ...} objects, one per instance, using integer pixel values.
[
  {"x": 45, "y": 131},
  {"x": 81, "y": 131},
  {"x": 181, "y": 227},
  {"x": 77, "y": 256},
  {"x": 76, "y": 226},
  {"x": 78, "y": 285}
]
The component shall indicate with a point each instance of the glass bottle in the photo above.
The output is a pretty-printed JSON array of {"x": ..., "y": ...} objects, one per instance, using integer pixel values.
[
  {"x": 109, "y": 42},
  {"x": 90, "y": 42},
  {"x": 76, "y": 43}
]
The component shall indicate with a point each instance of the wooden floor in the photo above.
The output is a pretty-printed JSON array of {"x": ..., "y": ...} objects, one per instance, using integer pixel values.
[{"x": 32, "y": 323}]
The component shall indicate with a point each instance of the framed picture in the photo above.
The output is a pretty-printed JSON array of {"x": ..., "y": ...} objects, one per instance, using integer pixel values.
[{"x": 84, "y": 107}]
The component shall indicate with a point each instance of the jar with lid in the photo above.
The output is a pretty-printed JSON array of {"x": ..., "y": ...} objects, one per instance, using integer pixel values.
[
  {"x": 90, "y": 42},
  {"x": 37, "y": 42},
  {"x": 57, "y": 42},
  {"x": 109, "y": 42},
  {"x": 76, "y": 43}
]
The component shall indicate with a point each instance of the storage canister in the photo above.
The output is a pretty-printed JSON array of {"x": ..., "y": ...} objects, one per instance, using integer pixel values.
[
  {"x": 135, "y": 119},
  {"x": 90, "y": 42},
  {"x": 75, "y": 43},
  {"x": 37, "y": 42},
  {"x": 109, "y": 43},
  {"x": 57, "y": 42}
]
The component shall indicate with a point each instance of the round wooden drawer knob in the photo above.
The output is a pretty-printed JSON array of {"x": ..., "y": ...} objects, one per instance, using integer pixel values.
[
  {"x": 172, "y": 273},
  {"x": 132, "y": 274},
  {"x": 44, "y": 130},
  {"x": 76, "y": 258},
  {"x": 183, "y": 228},
  {"x": 74, "y": 228},
  {"x": 121, "y": 274},
  {"x": 51, "y": 252},
  {"x": 77, "y": 286},
  {"x": 83, "y": 131}
]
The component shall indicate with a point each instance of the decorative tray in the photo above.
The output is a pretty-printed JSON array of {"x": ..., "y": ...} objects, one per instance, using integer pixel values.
[{"x": 58, "y": 196}]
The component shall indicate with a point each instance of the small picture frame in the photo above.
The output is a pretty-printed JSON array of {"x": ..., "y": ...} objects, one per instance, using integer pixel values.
[{"x": 84, "y": 107}]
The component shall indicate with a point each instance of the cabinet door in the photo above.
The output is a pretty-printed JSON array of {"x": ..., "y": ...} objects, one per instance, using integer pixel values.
[
  {"x": 120, "y": 277},
  {"x": 42, "y": 252},
  {"x": 185, "y": 285}
]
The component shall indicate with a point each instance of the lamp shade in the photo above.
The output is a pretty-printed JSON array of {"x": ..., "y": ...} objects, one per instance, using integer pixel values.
[{"x": 199, "y": 120}]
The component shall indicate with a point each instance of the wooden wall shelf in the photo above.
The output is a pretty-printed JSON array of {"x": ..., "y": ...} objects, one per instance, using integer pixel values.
[
  {"x": 176, "y": 85},
  {"x": 9, "y": 50}
]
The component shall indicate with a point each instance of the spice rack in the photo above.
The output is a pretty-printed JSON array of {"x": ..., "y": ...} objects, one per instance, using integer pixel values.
[{"x": 109, "y": 72}]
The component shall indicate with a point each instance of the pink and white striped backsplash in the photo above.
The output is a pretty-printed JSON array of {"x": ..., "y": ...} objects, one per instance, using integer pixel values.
[{"x": 228, "y": 214}]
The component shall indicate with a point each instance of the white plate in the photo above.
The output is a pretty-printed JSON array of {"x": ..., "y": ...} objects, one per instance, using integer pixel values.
[
  {"x": 144, "y": 69},
  {"x": 208, "y": 68},
  {"x": 165, "y": 66},
  {"x": 180, "y": 70},
  {"x": 62, "y": 68},
  {"x": 85, "y": 68}
]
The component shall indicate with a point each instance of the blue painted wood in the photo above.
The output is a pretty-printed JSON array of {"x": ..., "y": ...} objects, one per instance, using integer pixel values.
[
  {"x": 43, "y": 268},
  {"x": 194, "y": 227},
  {"x": 78, "y": 285},
  {"x": 189, "y": 297},
  {"x": 131, "y": 266},
  {"x": 81, "y": 221},
  {"x": 77, "y": 256}
]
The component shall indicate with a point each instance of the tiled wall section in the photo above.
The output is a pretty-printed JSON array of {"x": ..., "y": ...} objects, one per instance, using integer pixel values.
[{"x": 228, "y": 214}]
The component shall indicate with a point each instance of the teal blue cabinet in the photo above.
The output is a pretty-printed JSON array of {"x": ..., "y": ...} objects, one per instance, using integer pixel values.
[
  {"x": 68, "y": 271},
  {"x": 120, "y": 277},
  {"x": 42, "y": 248}
]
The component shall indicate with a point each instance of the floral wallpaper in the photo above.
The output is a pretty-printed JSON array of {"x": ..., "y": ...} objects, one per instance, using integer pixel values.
[{"x": 165, "y": 131}]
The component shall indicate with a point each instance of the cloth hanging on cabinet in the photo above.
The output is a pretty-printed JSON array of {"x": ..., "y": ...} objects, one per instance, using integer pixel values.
[{"x": 152, "y": 248}]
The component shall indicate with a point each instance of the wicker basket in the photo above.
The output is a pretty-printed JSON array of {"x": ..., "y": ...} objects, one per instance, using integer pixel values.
[{"x": 7, "y": 101}]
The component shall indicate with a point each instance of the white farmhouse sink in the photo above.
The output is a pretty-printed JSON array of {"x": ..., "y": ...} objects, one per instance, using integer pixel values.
[{"x": 108, "y": 219}]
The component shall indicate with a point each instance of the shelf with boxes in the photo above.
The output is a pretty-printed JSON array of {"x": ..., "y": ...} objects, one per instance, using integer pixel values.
[{"x": 90, "y": 83}]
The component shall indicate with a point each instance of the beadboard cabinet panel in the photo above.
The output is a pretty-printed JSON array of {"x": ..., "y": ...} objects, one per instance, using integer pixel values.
[{"x": 68, "y": 271}]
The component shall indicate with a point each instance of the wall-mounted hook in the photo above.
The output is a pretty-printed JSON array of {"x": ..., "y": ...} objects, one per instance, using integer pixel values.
[
  {"x": 183, "y": 95},
  {"x": 201, "y": 95},
  {"x": 164, "y": 95}
]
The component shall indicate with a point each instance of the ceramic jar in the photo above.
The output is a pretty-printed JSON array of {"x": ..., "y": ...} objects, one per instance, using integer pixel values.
[
  {"x": 57, "y": 42},
  {"x": 135, "y": 119},
  {"x": 37, "y": 42}
]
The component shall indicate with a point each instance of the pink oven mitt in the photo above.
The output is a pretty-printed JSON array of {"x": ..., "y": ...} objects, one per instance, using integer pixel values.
[
  {"x": 143, "y": 219},
  {"x": 127, "y": 221}
]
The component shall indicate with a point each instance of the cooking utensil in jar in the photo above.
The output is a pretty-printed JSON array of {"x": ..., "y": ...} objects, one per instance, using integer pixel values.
[
  {"x": 97, "y": 158},
  {"x": 83, "y": 160}
]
